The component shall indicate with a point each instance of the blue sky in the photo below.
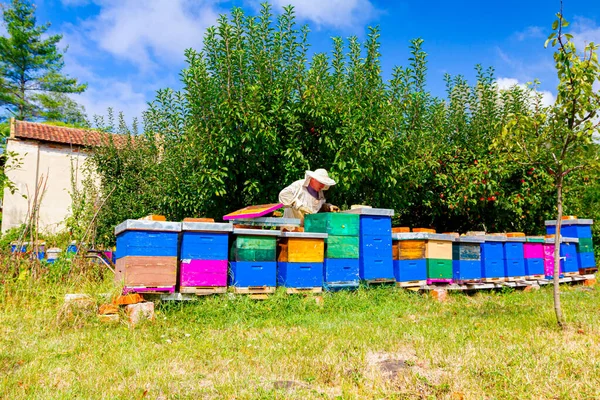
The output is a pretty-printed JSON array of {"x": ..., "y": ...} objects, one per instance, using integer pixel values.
[{"x": 127, "y": 49}]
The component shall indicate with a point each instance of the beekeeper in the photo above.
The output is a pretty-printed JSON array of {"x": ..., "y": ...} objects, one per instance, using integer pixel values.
[{"x": 305, "y": 196}]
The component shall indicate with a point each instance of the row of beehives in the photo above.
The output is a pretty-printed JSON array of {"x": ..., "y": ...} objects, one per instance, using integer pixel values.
[{"x": 336, "y": 250}]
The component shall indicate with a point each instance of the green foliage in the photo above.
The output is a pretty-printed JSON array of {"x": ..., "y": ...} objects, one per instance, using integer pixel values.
[
  {"x": 59, "y": 108},
  {"x": 30, "y": 65}
]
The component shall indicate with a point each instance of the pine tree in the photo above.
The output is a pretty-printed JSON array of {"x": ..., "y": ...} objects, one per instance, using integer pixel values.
[{"x": 30, "y": 63}]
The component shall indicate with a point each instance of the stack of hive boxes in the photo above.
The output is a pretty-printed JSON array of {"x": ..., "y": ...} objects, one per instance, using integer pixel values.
[
  {"x": 253, "y": 256},
  {"x": 438, "y": 253},
  {"x": 341, "y": 247},
  {"x": 569, "y": 263},
  {"x": 533, "y": 251},
  {"x": 582, "y": 230},
  {"x": 492, "y": 254},
  {"x": 514, "y": 256},
  {"x": 300, "y": 260},
  {"x": 375, "y": 244},
  {"x": 466, "y": 258},
  {"x": 204, "y": 249},
  {"x": 147, "y": 255},
  {"x": 549, "y": 259},
  {"x": 410, "y": 265}
]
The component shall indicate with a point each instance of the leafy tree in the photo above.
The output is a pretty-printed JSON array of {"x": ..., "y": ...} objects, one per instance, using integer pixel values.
[
  {"x": 29, "y": 63},
  {"x": 560, "y": 137},
  {"x": 58, "y": 107},
  {"x": 255, "y": 112}
]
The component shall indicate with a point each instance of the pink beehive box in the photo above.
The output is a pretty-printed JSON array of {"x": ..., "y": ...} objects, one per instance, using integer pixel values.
[
  {"x": 533, "y": 250},
  {"x": 196, "y": 273},
  {"x": 549, "y": 260}
]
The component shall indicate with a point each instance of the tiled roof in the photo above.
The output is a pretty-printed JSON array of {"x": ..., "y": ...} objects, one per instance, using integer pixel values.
[{"x": 61, "y": 134}]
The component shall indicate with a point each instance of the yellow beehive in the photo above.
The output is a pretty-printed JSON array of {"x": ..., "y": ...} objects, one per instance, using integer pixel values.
[
  {"x": 395, "y": 253},
  {"x": 411, "y": 249},
  {"x": 401, "y": 229},
  {"x": 302, "y": 250},
  {"x": 439, "y": 249}
]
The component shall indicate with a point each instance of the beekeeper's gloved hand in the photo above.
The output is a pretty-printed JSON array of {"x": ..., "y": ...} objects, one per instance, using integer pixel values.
[{"x": 305, "y": 210}]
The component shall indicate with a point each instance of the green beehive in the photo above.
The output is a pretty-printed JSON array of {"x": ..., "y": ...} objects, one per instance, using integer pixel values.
[
  {"x": 341, "y": 247},
  {"x": 335, "y": 224},
  {"x": 439, "y": 269},
  {"x": 585, "y": 245},
  {"x": 254, "y": 248}
]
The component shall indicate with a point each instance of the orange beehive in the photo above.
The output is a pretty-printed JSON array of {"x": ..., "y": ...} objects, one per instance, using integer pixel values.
[
  {"x": 401, "y": 229},
  {"x": 515, "y": 234},
  {"x": 301, "y": 250},
  {"x": 411, "y": 249},
  {"x": 424, "y": 230},
  {"x": 395, "y": 253}
]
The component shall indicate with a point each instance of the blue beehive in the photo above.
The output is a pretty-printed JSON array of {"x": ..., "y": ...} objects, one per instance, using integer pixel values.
[
  {"x": 196, "y": 245},
  {"x": 253, "y": 273},
  {"x": 375, "y": 257},
  {"x": 569, "y": 261},
  {"x": 300, "y": 274},
  {"x": 582, "y": 230},
  {"x": 574, "y": 228},
  {"x": 466, "y": 270},
  {"x": 534, "y": 266},
  {"x": 514, "y": 257},
  {"x": 341, "y": 272},
  {"x": 586, "y": 260},
  {"x": 147, "y": 243},
  {"x": 466, "y": 258},
  {"x": 492, "y": 257},
  {"x": 493, "y": 248},
  {"x": 410, "y": 270},
  {"x": 375, "y": 243}
]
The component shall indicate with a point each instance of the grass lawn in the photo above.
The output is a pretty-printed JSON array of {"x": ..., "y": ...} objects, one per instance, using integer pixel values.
[{"x": 373, "y": 343}]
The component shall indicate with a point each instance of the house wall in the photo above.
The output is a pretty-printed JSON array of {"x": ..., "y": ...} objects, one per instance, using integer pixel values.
[{"x": 52, "y": 164}]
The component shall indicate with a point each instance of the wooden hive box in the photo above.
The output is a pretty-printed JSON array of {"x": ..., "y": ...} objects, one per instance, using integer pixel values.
[
  {"x": 411, "y": 249},
  {"x": 302, "y": 247},
  {"x": 146, "y": 271},
  {"x": 146, "y": 254},
  {"x": 438, "y": 249}
]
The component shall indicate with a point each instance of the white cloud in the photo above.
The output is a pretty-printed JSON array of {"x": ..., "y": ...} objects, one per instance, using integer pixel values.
[
  {"x": 531, "y": 32},
  {"x": 146, "y": 32},
  {"x": 548, "y": 97},
  {"x": 120, "y": 95},
  {"x": 584, "y": 31},
  {"x": 335, "y": 13}
]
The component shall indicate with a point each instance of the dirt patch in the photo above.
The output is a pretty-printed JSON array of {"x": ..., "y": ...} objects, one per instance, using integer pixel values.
[
  {"x": 289, "y": 385},
  {"x": 401, "y": 364}
]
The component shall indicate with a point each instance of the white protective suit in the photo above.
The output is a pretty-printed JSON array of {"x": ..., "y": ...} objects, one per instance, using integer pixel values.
[{"x": 296, "y": 195}]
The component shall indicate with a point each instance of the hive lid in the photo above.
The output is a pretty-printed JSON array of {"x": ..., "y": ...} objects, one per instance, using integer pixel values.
[
  {"x": 138, "y": 225},
  {"x": 422, "y": 236},
  {"x": 470, "y": 239},
  {"x": 535, "y": 239},
  {"x": 571, "y": 222},
  {"x": 521, "y": 239},
  {"x": 206, "y": 227},
  {"x": 494, "y": 238},
  {"x": 304, "y": 235},
  {"x": 383, "y": 212},
  {"x": 256, "y": 232}
]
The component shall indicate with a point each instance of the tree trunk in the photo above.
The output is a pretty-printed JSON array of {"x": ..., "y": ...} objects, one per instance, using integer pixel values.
[{"x": 556, "y": 277}]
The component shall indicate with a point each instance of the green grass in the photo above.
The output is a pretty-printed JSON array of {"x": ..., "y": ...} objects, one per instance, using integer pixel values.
[{"x": 502, "y": 345}]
